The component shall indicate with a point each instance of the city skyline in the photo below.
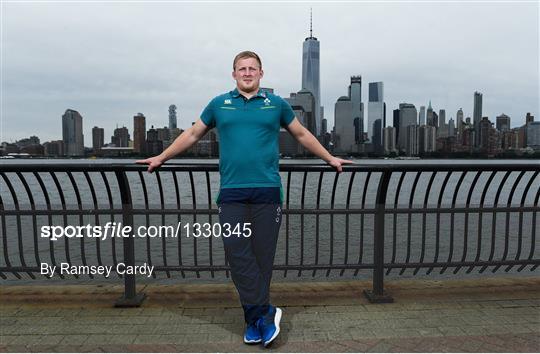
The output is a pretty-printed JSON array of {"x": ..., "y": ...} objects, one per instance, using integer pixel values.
[{"x": 105, "y": 101}]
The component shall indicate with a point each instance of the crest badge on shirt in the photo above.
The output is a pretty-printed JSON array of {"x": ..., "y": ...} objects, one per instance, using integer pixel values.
[
  {"x": 227, "y": 102},
  {"x": 266, "y": 102}
]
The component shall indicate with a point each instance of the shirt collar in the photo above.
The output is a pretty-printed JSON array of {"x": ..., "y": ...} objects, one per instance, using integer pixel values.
[{"x": 261, "y": 93}]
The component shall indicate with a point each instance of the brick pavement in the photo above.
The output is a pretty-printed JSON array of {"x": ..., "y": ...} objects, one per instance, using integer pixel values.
[{"x": 489, "y": 315}]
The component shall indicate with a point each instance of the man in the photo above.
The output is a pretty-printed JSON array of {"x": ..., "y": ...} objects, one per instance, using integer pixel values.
[{"x": 248, "y": 122}]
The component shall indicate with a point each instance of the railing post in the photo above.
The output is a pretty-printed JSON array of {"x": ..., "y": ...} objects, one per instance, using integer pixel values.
[
  {"x": 130, "y": 297},
  {"x": 378, "y": 295}
]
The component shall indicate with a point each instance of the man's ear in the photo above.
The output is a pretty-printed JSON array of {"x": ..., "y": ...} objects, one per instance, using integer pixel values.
[{"x": 262, "y": 73}]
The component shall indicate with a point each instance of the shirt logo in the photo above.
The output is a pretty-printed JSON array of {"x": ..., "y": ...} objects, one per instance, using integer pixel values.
[
  {"x": 227, "y": 102},
  {"x": 266, "y": 102}
]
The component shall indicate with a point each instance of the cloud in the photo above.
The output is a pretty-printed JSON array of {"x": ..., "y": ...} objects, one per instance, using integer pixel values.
[{"x": 112, "y": 60}]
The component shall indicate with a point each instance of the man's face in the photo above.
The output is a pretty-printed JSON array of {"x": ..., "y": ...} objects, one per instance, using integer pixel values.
[{"x": 247, "y": 74}]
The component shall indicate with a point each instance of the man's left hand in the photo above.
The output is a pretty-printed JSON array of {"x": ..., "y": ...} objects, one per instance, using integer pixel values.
[{"x": 337, "y": 163}]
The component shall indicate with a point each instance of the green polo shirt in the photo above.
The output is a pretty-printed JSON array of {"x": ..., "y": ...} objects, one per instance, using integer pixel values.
[{"x": 248, "y": 137}]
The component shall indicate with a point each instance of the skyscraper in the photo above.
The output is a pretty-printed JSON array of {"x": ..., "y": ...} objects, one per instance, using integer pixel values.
[
  {"x": 407, "y": 118},
  {"x": 442, "y": 118},
  {"x": 487, "y": 135},
  {"x": 120, "y": 137},
  {"x": 377, "y": 139},
  {"x": 98, "y": 138},
  {"x": 451, "y": 127},
  {"x": 72, "y": 133},
  {"x": 395, "y": 123},
  {"x": 389, "y": 134},
  {"x": 375, "y": 113},
  {"x": 172, "y": 116},
  {"x": 411, "y": 131},
  {"x": 311, "y": 72},
  {"x": 502, "y": 123},
  {"x": 477, "y": 117},
  {"x": 303, "y": 105},
  {"x": 355, "y": 95},
  {"x": 304, "y": 99},
  {"x": 346, "y": 131},
  {"x": 533, "y": 135},
  {"x": 426, "y": 139},
  {"x": 422, "y": 116},
  {"x": 460, "y": 123},
  {"x": 442, "y": 127},
  {"x": 529, "y": 118},
  {"x": 429, "y": 117},
  {"x": 139, "y": 133}
]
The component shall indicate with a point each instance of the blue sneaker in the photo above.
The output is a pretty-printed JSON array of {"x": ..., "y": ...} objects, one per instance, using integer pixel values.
[
  {"x": 252, "y": 335},
  {"x": 269, "y": 325}
]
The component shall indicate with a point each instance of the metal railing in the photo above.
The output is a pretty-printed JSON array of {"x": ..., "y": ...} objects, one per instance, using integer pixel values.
[{"x": 384, "y": 217}]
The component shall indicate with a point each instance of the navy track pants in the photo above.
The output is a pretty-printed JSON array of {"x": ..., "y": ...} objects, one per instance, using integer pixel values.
[{"x": 251, "y": 258}]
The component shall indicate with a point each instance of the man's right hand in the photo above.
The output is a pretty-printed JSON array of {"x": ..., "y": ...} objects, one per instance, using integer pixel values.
[{"x": 152, "y": 162}]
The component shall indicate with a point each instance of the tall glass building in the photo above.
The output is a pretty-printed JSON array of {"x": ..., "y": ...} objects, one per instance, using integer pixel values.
[
  {"x": 422, "y": 116},
  {"x": 72, "y": 133},
  {"x": 376, "y": 113},
  {"x": 408, "y": 117},
  {"x": 477, "y": 117},
  {"x": 355, "y": 94},
  {"x": 172, "y": 116},
  {"x": 311, "y": 74}
]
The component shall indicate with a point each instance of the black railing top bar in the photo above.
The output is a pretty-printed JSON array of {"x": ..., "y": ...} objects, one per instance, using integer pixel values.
[{"x": 467, "y": 165}]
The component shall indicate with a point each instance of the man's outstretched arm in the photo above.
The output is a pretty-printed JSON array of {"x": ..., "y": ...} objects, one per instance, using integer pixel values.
[
  {"x": 179, "y": 145},
  {"x": 311, "y": 143}
]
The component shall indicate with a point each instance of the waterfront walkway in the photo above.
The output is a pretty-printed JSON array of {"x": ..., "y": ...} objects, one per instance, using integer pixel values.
[{"x": 481, "y": 315}]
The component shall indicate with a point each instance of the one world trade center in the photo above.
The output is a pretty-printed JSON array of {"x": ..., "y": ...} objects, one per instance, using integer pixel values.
[{"x": 311, "y": 74}]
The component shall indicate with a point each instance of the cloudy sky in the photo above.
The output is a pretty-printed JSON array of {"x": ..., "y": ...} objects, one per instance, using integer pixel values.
[{"x": 110, "y": 60}]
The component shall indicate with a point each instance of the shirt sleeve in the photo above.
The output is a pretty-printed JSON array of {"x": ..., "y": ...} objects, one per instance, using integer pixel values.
[
  {"x": 207, "y": 116},
  {"x": 287, "y": 113}
]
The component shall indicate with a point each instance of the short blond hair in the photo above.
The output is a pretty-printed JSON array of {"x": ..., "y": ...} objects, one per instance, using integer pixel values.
[{"x": 244, "y": 55}]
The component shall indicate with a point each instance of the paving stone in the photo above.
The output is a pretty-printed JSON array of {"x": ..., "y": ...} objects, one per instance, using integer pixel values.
[
  {"x": 358, "y": 334},
  {"x": 73, "y": 339},
  {"x": 316, "y": 309},
  {"x": 429, "y": 332},
  {"x": 147, "y": 339},
  {"x": 97, "y": 339},
  {"x": 121, "y": 339},
  {"x": 533, "y": 327},
  {"x": 18, "y": 348},
  {"x": 172, "y": 339},
  {"x": 153, "y": 311},
  {"x": 314, "y": 336},
  {"x": 9, "y": 311},
  {"x": 212, "y": 329},
  {"x": 380, "y": 347},
  {"x": 7, "y": 339},
  {"x": 198, "y": 319},
  {"x": 150, "y": 320},
  {"x": 193, "y": 311},
  {"x": 25, "y": 340},
  {"x": 227, "y": 319},
  {"x": 451, "y": 331},
  {"x": 197, "y": 337}
]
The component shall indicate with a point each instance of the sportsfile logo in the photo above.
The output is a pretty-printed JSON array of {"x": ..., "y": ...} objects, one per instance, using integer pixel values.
[{"x": 114, "y": 230}]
